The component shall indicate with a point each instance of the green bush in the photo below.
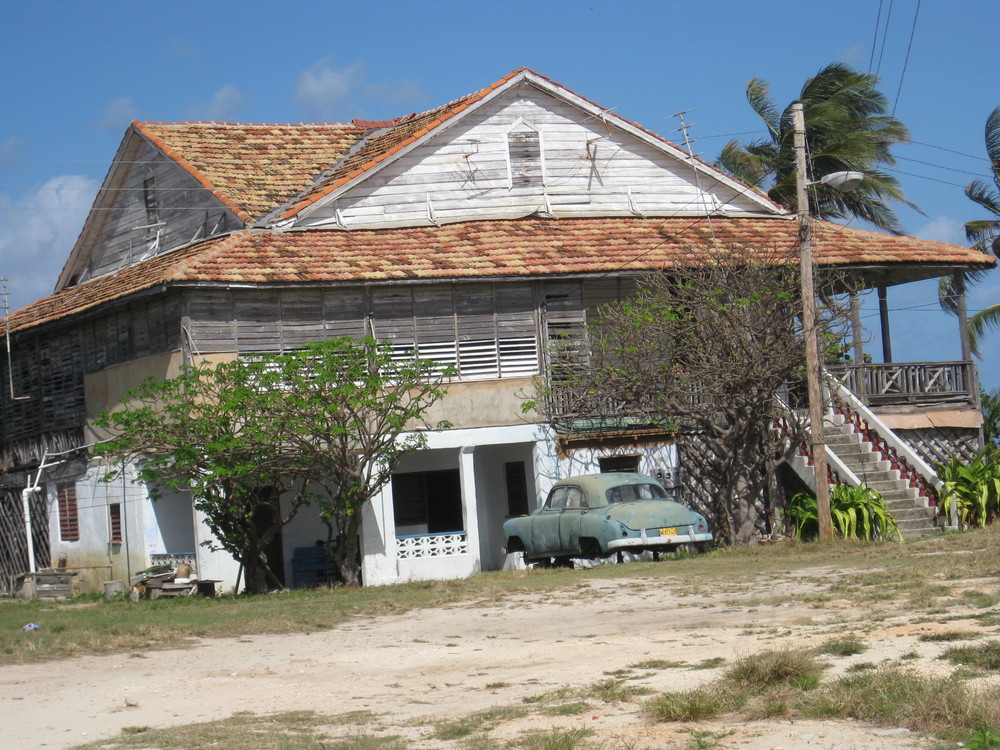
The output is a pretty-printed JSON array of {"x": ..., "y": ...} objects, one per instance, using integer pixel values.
[
  {"x": 971, "y": 490},
  {"x": 857, "y": 513}
]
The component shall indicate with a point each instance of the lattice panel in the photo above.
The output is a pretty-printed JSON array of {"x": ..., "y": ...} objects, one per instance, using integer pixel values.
[
  {"x": 938, "y": 444},
  {"x": 431, "y": 545},
  {"x": 13, "y": 551},
  {"x": 700, "y": 492}
]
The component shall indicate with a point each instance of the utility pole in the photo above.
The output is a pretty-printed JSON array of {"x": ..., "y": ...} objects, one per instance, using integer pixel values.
[{"x": 816, "y": 440}]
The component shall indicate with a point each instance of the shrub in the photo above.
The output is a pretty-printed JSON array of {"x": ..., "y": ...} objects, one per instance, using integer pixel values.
[
  {"x": 857, "y": 513},
  {"x": 972, "y": 490}
]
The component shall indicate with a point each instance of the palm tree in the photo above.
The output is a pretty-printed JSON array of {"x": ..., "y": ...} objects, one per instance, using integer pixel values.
[
  {"x": 848, "y": 127},
  {"x": 985, "y": 233}
]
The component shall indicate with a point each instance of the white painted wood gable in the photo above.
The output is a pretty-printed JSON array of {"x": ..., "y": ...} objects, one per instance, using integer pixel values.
[
  {"x": 481, "y": 165},
  {"x": 122, "y": 229}
]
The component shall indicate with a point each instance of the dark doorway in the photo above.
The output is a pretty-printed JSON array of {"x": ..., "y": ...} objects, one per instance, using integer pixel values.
[
  {"x": 263, "y": 516},
  {"x": 431, "y": 499}
]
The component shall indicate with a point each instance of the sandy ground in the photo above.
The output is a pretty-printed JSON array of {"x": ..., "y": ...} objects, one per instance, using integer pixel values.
[{"x": 434, "y": 664}]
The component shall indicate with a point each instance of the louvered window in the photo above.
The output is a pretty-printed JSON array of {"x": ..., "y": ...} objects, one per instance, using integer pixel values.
[
  {"x": 69, "y": 521},
  {"x": 150, "y": 200},
  {"x": 525, "y": 153},
  {"x": 115, "y": 522}
]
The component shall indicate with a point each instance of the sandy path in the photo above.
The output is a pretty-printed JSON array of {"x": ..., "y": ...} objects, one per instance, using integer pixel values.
[{"x": 437, "y": 663}]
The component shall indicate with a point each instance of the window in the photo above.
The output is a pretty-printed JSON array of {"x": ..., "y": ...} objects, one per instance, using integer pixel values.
[
  {"x": 427, "y": 502},
  {"x": 610, "y": 464},
  {"x": 69, "y": 522},
  {"x": 149, "y": 199},
  {"x": 525, "y": 152},
  {"x": 115, "y": 522},
  {"x": 517, "y": 488}
]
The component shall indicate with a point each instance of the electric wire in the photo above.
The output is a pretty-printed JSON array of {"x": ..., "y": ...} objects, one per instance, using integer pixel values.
[{"x": 906, "y": 60}]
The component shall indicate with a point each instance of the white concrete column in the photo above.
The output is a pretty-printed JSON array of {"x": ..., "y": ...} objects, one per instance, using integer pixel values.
[
  {"x": 545, "y": 467},
  {"x": 470, "y": 503},
  {"x": 378, "y": 540}
]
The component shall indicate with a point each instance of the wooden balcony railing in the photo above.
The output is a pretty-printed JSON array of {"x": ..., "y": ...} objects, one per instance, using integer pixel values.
[{"x": 911, "y": 382}]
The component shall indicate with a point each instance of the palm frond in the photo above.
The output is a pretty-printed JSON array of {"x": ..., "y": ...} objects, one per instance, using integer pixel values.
[
  {"x": 758, "y": 95},
  {"x": 982, "y": 323}
]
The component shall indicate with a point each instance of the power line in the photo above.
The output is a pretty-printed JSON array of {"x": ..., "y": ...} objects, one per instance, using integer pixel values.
[{"x": 906, "y": 60}]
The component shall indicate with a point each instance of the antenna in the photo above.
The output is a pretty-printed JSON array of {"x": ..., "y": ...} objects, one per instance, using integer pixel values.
[
  {"x": 6, "y": 326},
  {"x": 697, "y": 178}
]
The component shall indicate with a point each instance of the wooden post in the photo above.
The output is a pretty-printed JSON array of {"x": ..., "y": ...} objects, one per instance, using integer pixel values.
[
  {"x": 883, "y": 317},
  {"x": 813, "y": 374}
]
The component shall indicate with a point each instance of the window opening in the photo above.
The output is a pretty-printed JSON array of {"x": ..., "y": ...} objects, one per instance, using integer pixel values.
[
  {"x": 517, "y": 488},
  {"x": 149, "y": 199},
  {"x": 525, "y": 153},
  {"x": 69, "y": 521},
  {"x": 612, "y": 464},
  {"x": 115, "y": 522},
  {"x": 428, "y": 502}
]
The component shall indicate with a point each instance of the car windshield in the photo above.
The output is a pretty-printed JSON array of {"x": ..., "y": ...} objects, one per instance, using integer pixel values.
[{"x": 628, "y": 493}]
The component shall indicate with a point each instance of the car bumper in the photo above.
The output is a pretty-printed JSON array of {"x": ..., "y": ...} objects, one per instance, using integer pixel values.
[{"x": 658, "y": 541}]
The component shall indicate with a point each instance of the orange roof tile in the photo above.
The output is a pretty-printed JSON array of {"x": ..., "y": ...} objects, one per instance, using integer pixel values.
[
  {"x": 491, "y": 249},
  {"x": 254, "y": 168}
]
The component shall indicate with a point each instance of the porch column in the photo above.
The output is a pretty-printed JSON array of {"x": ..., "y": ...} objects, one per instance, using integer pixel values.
[
  {"x": 378, "y": 539},
  {"x": 857, "y": 336},
  {"x": 470, "y": 509},
  {"x": 883, "y": 315},
  {"x": 545, "y": 467},
  {"x": 963, "y": 316}
]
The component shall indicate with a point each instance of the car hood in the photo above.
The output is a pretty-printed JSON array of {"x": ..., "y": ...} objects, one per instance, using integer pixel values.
[{"x": 646, "y": 514}]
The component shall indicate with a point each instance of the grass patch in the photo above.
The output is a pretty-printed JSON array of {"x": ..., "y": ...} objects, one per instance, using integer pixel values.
[
  {"x": 658, "y": 664},
  {"x": 947, "y": 636},
  {"x": 553, "y": 739},
  {"x": 481, "y": 721},
  {"x": 979, "y": 599},
  {"x": 712, "y": 663},
  {"x": 848, "y": 645},
  {"x": 615, "y": 689},
  {"x": 758, "y": 672},
  {"x": 978, "y": 655},
  {"x": 293, "y": 730}
]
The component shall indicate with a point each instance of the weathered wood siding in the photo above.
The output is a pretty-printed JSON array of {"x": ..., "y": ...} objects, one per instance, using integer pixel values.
[
  {"x": 48, "y": 367},
  {"x": 465, "y": 173},
  {"x": 122, "y": 235}
]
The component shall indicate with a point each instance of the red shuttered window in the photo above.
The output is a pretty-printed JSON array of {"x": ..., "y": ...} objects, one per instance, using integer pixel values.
[
  {"x": 69, "y": 521},
  {"x": 115, "y": 518}
]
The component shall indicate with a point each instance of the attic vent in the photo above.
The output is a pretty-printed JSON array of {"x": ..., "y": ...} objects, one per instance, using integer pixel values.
[
  {"x": 525, "y": 153},
  {"x": 149, "y": 199}
]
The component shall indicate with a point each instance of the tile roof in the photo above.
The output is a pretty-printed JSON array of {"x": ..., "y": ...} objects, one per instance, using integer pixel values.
[
  {"x": 254, "y": 168},
  {"x": 490, "y": 249}
]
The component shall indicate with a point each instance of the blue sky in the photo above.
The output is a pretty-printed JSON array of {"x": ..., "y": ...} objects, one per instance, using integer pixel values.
[{"x": 77, "y": 73}]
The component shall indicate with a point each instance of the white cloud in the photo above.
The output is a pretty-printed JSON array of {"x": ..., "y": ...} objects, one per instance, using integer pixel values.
[
  {"x": 330, "y": 93},
  {"x": 117, "y": 115},
  {"x": 943, "y": 229},
  {"x": 223, "y": 105},
  {"x": 38, "y": 231}
]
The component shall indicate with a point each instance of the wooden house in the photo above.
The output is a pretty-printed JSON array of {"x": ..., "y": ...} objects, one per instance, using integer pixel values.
[{"x": 478, "y": 232}]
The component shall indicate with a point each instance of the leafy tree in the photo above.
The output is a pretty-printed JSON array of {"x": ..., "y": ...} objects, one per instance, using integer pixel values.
[
  {"x": 848, "y": 127},
  {"x": 255, "y": 440},
  {"x": 706, "y": 348},
  {"x": 349, "y": 413}
]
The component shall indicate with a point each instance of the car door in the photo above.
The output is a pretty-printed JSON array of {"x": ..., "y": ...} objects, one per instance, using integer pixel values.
[
  {"x": 570, "y": 520},
  {"x": 545, "y": 526}
]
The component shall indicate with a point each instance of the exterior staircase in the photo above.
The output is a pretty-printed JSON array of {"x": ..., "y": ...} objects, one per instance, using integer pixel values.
[
  {"x": 861, "y": 449},
  {"x": 912, "y": 511}
]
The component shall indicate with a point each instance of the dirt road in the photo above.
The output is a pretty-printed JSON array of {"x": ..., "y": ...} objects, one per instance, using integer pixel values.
[{"x": 433, "y": 664}]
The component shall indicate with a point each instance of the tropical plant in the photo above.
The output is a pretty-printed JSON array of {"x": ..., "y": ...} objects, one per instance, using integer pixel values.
[
  {"x": 990, "y": 401},
  {"x": 985, "y": 233},
  {"x": 857, "y": 513},
  {"x": 971, "y": 490},
  {"x": 848, "y": 128}
]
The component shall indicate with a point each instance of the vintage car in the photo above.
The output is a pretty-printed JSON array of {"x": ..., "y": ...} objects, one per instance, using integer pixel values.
[{"x": 598, "y": 515}]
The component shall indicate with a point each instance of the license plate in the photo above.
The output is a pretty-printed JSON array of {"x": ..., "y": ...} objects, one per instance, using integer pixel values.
[{"x": 669, "y": 531}]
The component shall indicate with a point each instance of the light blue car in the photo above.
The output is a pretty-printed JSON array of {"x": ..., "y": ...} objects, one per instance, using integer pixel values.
[{"x": 598, "y": 515}]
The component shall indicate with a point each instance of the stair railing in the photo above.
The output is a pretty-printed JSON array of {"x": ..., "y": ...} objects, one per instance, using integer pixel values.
[{"x": 918, "y": 474}]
